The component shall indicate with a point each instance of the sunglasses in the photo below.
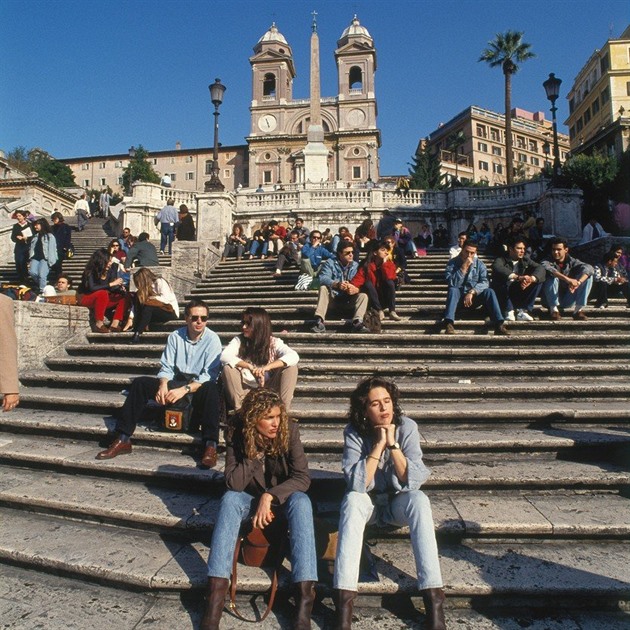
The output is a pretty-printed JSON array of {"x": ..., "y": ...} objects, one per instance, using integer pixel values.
[
  {"x": 198, "y": 318},
  {"x": 315, "y": 238}
]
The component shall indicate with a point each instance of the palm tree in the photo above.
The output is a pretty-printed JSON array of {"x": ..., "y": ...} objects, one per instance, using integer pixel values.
[
  {"x": 506, "y": 50},
  {"x": 454, "y": 141}
]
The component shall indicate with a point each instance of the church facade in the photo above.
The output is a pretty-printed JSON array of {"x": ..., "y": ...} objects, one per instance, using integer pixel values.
[{"x": 279, "y": 123}]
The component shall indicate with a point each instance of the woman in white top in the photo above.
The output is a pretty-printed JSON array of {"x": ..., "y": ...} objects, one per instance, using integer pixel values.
[
  {"x": 257, "y": 359},
  {"x": 154, "y": 301}
]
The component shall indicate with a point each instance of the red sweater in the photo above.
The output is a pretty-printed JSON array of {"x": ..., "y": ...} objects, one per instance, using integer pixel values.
[{"x": 376, "y": 275}]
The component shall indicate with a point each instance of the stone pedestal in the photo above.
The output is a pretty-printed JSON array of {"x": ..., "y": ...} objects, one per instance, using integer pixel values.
[
  {"x": 562, "y": 210},
  {"x": 215, "y": 211}
]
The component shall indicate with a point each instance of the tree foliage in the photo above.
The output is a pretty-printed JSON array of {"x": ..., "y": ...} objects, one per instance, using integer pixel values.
[
  {"x": 139, "y": 169},
  {"x": 507, "y": 50},
  {"x": 424, "y": 171},
  {"x": 50, "y": 170}
]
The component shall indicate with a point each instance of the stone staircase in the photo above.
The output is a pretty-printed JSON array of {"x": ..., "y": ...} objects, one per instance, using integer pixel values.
[{"x": 527, "y": 437}]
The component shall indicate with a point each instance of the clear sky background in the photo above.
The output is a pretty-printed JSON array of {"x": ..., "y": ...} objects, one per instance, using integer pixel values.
[{"x": 93, "y": 77}]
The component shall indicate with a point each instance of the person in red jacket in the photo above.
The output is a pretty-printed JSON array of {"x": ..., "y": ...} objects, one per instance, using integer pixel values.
[{"x": 377, "y": 278}]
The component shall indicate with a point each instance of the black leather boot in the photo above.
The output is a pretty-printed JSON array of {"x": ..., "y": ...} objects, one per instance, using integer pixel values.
[
  {"x": 304, "y": 600},
  {"x": 433, "y": 599},
  {"x": 344, "y": 601},
  {"x": 216, "y": 590}
]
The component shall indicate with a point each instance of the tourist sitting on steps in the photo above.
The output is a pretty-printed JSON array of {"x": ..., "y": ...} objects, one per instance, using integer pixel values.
[
  {"x": 383, "y": 469},
  {"x": 235, "y": 243},
  {"x": 266, "y": 474},
  {"x": 42, "y": 254},
  {"x": 517, "y": 280},
  {"x": 377, "y": 277},
  {"x": 190, "y": 364},
  {"x": 255, "y": 359},
  {"x": 313, "y": 254},
  {"x": 142, "y": 253},
  {"x": 568, "y": 281},
  {"x": 610, "y": 279},
  {"x": 467, "y": 280},
  {"x": 290, "y": 252},
  {"x": 335, "y": 278}
]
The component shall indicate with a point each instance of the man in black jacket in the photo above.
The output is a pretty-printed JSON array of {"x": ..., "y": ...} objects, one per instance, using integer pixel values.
[
  {"x": 143, "y": 253},
  {"x": 517, "y": 281}
]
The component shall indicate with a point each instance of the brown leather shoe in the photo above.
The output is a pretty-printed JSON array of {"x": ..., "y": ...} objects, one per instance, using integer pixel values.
[
  {"x": 450, "y": 329},
  {"x": 100, "y": 329},
  {"x": 116, "y": 448},
  {"x": 209, "y": 459},
  {"x": 555, "y": 316},
  {"x": 580, "y": 316},
  {"x": 501, "y": 329},
  {"x": 115, "y": 329}
]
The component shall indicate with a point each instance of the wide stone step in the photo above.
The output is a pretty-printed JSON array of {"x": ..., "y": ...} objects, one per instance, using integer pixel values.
[
  {"x": 147, "y": 560},
  {"x": 455, "y": 514},
  {"x": 412, "y": 390},
  {"x": 524, "y": 471}
]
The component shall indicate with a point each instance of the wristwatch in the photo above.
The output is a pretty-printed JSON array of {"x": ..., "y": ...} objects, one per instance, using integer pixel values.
[
  {"x": 187, "y": 388},
  {"x": 394, "y": 447}
]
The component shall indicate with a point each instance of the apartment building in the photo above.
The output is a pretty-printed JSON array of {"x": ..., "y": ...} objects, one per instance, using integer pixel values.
[
  {"x": 481, "y": 157},
  {"x": 599, "y": 101}
]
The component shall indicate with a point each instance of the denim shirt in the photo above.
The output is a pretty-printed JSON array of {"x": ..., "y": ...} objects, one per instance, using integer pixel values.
[
  {"x": 315, "y": 254},
  {"x": 356, "y": 449},
  {"x": 475, "y": 279},
  {"x": 198, "y": 361}
]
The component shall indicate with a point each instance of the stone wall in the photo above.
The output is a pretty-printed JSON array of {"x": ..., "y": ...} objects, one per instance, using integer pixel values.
[{"x": 44, "y": 328}]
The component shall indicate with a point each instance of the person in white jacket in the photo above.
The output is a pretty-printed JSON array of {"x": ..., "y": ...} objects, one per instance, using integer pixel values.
[
  {"x": 255, "y": 359},
  {"x": 592, "y": 230}
]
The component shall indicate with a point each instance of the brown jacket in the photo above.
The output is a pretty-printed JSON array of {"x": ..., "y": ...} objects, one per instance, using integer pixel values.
[
  {"x": 8, "y": 348},
  {"x": 287, "y": 474}
]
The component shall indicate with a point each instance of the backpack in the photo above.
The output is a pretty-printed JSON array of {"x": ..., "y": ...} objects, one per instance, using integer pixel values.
[{"x": 372, "y": 321}]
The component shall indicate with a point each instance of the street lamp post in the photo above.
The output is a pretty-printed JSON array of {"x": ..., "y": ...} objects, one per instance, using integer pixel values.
[
  {"x": 132, "y": 154},
  {"x": 369, "y": 173},
  {"x": 552, "y": 89},
  {"x": 216, "y": 96}
]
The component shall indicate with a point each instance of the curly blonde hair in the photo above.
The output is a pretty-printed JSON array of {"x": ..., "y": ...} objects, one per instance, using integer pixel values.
[{"x": 255, "y": 405}]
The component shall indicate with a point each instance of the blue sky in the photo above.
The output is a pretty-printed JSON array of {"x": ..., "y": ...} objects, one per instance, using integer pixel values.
[{"x": 93, "y": 77}]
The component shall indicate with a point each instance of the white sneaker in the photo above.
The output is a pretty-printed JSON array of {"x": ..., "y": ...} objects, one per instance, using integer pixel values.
[
  {"x": 278, "y": 272},
  {"x": 509, "y": 316},
  {"x": 381, "y": 315},
  {"x": 524, "y": 316}
]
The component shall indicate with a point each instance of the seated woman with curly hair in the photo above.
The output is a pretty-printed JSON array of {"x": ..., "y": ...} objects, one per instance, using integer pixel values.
[
  {"x": 255, "y": 358},
  {"x": 101, "y": 289},
  {"x": 383, "y": 468},
  {"x": 266, "y": 474},
  {"x": 153, "y": 301}
]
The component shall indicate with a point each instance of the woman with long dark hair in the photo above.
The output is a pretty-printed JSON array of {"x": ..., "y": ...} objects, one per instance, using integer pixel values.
[
  {"x": 21, "y": 235},
  {"x": 266, "y": 474},
  {"x": 43, "y": 253},
  {"x": 235, "y": 243},
  {"x": 377, "y": 278},
  {"x": 153, "y": 301},
  {"x": 256, "y": 358},
  {"x": 101, "y": 289},
  {"x": 383, "y": 468}
]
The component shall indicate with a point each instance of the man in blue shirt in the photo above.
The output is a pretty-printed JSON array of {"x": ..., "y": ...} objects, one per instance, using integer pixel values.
[
  {"x": 190, "y": 364},
  {"x": 334, "y": 278},
  {"x": 468, "y": 287},
  {"x": 167, "y": 217},
  {"x": 313, "y": 254}
]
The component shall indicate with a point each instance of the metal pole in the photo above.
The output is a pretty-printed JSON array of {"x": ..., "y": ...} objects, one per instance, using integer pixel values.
[{"x": 556, "y": 148}]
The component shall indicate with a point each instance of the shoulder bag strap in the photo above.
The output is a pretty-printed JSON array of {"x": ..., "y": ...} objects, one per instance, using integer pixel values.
[{"x": 272, "y": 595}]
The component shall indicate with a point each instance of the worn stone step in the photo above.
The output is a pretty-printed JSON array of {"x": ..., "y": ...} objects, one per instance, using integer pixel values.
[
  {"x": 455, "y": 514},
  {"x": 146, "y": 560}
]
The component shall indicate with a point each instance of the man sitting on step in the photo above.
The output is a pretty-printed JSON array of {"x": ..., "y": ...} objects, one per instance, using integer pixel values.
[
  {"x": 468, "y": 287},
  {"x": 190, "y": 364},
  {"x": 517, "y": 280},
  {"x": 334, "y": 278},
  {"x": 568, "y": 282}
]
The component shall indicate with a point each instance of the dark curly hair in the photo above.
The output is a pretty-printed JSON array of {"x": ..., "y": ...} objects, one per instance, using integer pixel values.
[{"x": 358, "y": 403}]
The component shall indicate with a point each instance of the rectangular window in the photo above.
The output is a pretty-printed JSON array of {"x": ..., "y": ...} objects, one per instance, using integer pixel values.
[
  {"x": 495, "y": 135},
  {"x": 190, "y": 175},
  {"x": 497, "y": 151},
  {"x": 482, "y": 146},
  {"x": 520, "y": 142},
  {"x": 533, "y": 146},
  {"x": 189, "y": 159},
  {"x": 571, "y": 105},
  {"x": 226, "y": 173},
  {"x": 118, "y": 164},
  {"x": 356, "y": 172},
  {"x": 103, "y": 181},
  {"x": 86, "y": 183},
  {"x": 627, "y": 88},
  {"x": 85, "y": 167},
  {"x": 604, "y": 63},
  {"x": 172, "y": 176},
  {"x": 208, "y": 167},
  {"x": 101, "y": 165},
  {"x": 579, "y": 125},
  {"x": 534, "y": 161},
  {"x": 522, "y": 157},
  {"x": 595, "y": 106},
  {"x": 481, "y": 131},
  {"x": 120, "y": 181},
  {"x": 154, "y": 161},
  {"x": 605, "y": 96},
  {"x": 483, "y": 166},
  {"x": 497, "y": 168},
  {"x": 587, "y": 116},
  {"x": 267, "y": 177}
]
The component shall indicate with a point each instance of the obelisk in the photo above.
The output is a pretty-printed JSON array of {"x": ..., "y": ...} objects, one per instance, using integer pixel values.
[{"x": 315, "y": 152}]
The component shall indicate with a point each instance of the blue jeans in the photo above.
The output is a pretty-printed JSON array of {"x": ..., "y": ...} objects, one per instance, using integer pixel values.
[
  {"x": 39, "y": 272},
  {"x": 168, "y": 234},
  {"x": 557, "y": 294},
  {"x": 405, "y": 508},
  {"x": 487, "y": 298},
  {"x": 237, "y": 507},
  {"x": 512, "y": 296},
  {"x": 256, "y": 245}
]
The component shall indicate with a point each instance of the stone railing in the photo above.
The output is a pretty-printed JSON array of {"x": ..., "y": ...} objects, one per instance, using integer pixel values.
[{"x": 6, "y": 244}]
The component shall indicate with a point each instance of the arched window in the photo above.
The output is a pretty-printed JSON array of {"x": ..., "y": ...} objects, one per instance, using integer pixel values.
[
  {"x": 355, "y": 78},
  {"x": 269, "y": 85}
]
